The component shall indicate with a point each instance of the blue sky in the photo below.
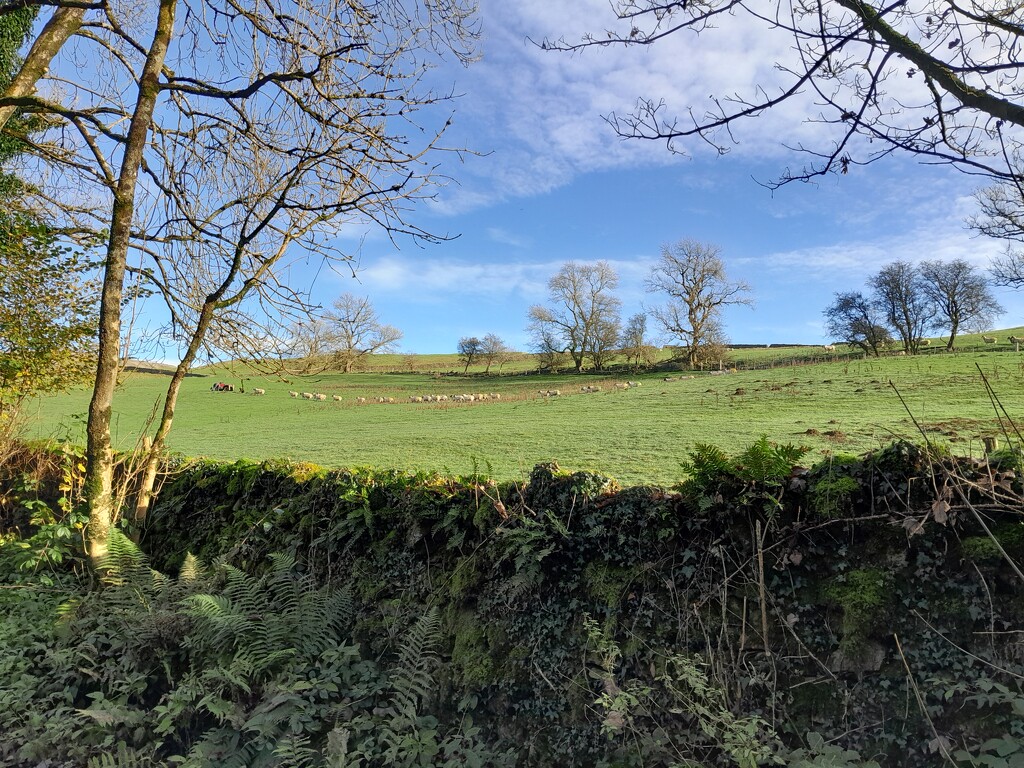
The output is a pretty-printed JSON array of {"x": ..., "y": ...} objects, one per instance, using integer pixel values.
[{"x": 552, "y": 182}]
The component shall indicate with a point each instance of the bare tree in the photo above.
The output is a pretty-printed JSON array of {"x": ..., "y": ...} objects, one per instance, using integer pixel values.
[
  {"x": 605, "y": 340},
  {"x": 210, "y": 141},
  {"x": 1001, "y": 215},
  {"x": 961, "y": 295},
  {"x": 356, "y": 331},
  {"x": 309, "y": 347},
  {"x": 693, "y": 276},
  {"x": 634, "y": 342},
  {"x": 857, "y": 321},
  {"x": 938, "y": 80},
  {"x": 582, "y": 315},
  {"x": 469, "y": 348},
  {"x": 493, "y": 350},
  {"x": 907, "y": 307}
]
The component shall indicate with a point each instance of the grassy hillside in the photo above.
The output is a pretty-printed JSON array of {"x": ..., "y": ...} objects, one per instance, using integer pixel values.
[{"x": 637, "y": 436}]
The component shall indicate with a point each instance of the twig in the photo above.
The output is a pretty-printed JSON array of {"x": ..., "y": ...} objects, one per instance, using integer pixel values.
[{"x": 939, "y": 740}]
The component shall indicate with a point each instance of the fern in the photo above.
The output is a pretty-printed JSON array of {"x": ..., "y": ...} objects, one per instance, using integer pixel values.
[
  {"x": 767, "y": 462},
  {"x": 192, "y": 570},
  {"x": 414, "y": 673},
  {"x": 707, "y": 466},
  {"x": 124, "y": 562},
  {"x": 125, "y": 757}
]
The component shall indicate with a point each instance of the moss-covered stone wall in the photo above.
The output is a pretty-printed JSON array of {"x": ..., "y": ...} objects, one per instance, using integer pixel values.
[{"x": 870, "y": 600}]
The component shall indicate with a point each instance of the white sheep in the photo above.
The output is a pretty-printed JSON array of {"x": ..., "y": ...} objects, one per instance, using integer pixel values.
[
  {"x": 829, "y": 347},
  {"x": 336, "y": 398},
  {"x": 924, "y": 342},
  {"x": 320, "y": 396},
  {"x": 1016, "y": 340},
  {"x": 258, "y": 391},
  {"x": 307, "y": 395},
  {"x": 360, "y": 400},
  {"x": 292, "y": 394},
  {"x": 989, "y": 339},
  {"x": 632, "y": 383},
  {"x": 495, "y": 396},
  {"x": 415, "y": 399}
]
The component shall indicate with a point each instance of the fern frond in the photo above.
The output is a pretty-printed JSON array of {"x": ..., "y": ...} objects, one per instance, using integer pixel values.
[
  {"x": 125, "y": 757},
  {"x": 192, "y": 570},
  {"x": 414, "y": 672},
  {"x": 124, "y": 562}
]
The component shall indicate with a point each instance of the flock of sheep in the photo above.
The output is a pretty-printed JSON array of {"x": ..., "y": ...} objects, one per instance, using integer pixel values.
[{"x": 461, "y": 398}]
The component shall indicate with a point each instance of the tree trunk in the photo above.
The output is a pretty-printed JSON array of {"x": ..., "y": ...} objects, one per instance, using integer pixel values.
[
  {"x": 953, "y": 329},
  {"x": 145, "y": 492},
  {"x": 61, "y": 26},
  {"x": 99, "y": 473}
]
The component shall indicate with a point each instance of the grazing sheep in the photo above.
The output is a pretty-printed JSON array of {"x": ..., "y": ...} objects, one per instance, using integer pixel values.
[
  {"x": 320, "y": 396},
  {"x": 590, "y": 388},
  {"x": 442, "y": 398},
  {"x": 307, "y": 395},
  {"x": 924, "y": 342},
  {"x": 550, "y": 392},
  {"x": 360, "y": 400},
  {"x": 1016, "y": 340},
  {"x": 415, "y": 399},
  {"x": 829, "y": 347},
  {"x": 258, "y": 391},
  {"x": 632, "y": 383},
  {"x": 292, "y": 394},
  {"x": 495, "y": 396},
  {"x": 989, "y": 339},
  {"x": 621, "y": 385},
  {"x": 336, "y": 398}
]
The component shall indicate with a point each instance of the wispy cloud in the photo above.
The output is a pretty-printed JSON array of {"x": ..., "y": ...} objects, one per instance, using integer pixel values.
[
  {"x": 503, "y": 236},
  {"x": 541, "y": 111}
]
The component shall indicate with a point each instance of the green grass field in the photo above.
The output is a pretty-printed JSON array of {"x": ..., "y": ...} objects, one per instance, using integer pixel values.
[{"x": 637, "y": 436}]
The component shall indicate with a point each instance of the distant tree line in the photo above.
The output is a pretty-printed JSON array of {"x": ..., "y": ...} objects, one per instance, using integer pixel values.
[
  {"x": 905, "y": 302},
  {"x": 582, "y": 319}
]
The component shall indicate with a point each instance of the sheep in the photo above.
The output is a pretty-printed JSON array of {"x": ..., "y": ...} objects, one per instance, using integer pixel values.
[
  {"x": 989, "y": 339},
  {"x": 632, "y": 383},
  {"x": 550, "y": 392},
  {"x": 360, "y": 400},
  {"x": 621, "y": 385},
  {"x": 320, "y": 396},
  {"x": 415, "y": 399},
  {"x": 1016, "y": 340},
  {"x": 495, "y": 396},
  {"x": 924, "y": 342},
  {"x": 336, "y": 398},
  {"x": 292, "y": 394},
  {"x": 307, "y": 395},
  {"x": 258, "y": 391},
  {"x": 829, "y": 347},
  {"x": 590, "y": 388}
]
